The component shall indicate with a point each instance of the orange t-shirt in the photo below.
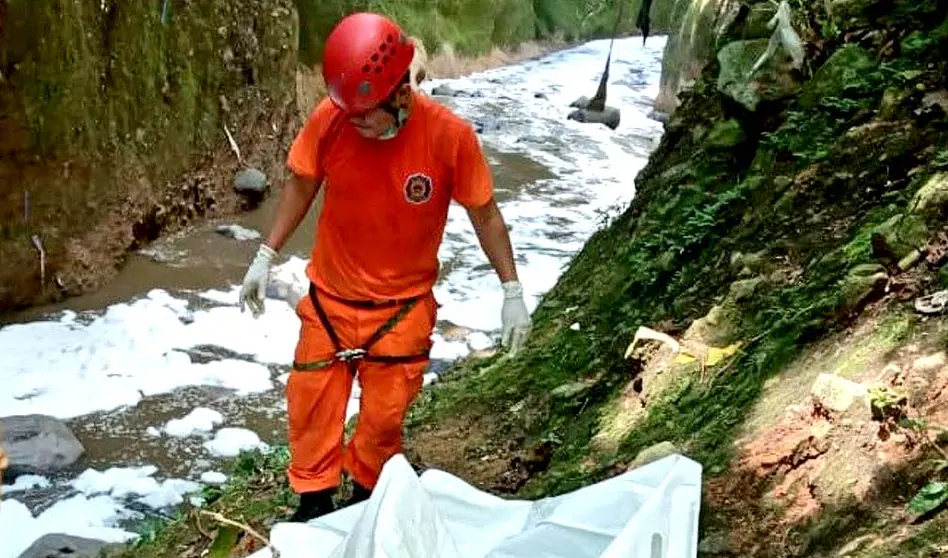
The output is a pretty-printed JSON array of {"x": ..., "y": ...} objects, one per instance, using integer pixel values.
[{"x": 386, "y": 202}]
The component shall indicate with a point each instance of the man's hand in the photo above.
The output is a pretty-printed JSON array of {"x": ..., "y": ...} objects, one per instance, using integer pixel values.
[
  {"x": 514, "y": 317},
  {"x": 254, "y": 288},
  {"x": 492, "y": 234}
]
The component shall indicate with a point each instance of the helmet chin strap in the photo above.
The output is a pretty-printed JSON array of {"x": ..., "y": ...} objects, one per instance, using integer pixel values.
[{"x": 400, "y": 115}]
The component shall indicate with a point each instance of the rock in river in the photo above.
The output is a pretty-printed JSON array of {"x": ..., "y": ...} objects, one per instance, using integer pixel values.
[{"x": 37, "y": 444}]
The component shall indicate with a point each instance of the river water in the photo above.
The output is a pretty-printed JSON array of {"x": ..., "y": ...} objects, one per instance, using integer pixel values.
[{"x": 163, "y": 379}]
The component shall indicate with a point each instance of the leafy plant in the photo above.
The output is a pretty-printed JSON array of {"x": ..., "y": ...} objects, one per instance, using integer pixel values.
[{"x": 929, "y": 498}]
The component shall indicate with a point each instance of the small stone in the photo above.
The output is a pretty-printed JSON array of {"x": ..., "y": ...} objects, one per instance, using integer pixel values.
[
  {"x": 744, "y": 289},
  {"x": 485, "y": 125},
  {"x": 650, "y": 454},
  {"x": 782, "y": 182},
  {"x": 726, "y": 134},
  {"x": 930, "y": 362},
  {"x": 658, "y": 116},
  {"x": 795, "y": 409},
  {"x": 904, "y": 233},
  {"x": 56, "y": 545},
  {"x": 713, "y": 543},
  {"x": 610, "y": 116},
  {"x": 567, "y": 391},
  {"x": 842, "y": 68},
  {"x": 237, "y": 232},
  {"x": 840, "y": 395},
  {"x": 580, "y": 103},
  {"x": 770, "y": 82},
  {"x": 862, "y": 282},
  {"x": 443, "y": 91},
  {"x": 250, "y": 180},
  {"x": 931, "y": 200}
]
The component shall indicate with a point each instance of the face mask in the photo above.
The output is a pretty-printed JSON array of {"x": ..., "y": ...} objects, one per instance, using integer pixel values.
[{"x": 392, "y": 130}]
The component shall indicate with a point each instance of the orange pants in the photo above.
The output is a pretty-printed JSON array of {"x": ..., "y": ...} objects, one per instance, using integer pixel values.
[{"x": 317, "y": 398}]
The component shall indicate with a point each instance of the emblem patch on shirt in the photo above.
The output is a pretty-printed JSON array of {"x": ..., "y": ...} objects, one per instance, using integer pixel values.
[{"x": 418, "y": 188}]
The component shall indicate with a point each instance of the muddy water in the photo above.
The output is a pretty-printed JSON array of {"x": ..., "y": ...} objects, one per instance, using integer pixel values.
[{"x": 201, "y": 258}]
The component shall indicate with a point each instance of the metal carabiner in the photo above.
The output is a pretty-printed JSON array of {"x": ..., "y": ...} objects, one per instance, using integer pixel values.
[{"x": 348, "y": 355}]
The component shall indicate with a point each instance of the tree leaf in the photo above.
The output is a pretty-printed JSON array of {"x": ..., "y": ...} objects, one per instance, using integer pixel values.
[
  {"x": 933, "y": 495},
  {"x": 224, "y": 542}
]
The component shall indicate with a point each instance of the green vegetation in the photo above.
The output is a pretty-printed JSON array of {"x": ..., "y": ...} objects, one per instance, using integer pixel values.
[
  {"x": 762, "y": 234},
  {"x": 475, "y": 26},
  {"x": 256, "y": 494}
]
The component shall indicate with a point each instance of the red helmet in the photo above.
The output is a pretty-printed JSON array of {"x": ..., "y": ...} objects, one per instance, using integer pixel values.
[{"x": 365, "y": 57}]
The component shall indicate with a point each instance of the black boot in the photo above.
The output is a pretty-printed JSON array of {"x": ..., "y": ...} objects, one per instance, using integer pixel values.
[
  {"x": 359, "y": 494},
  {"x": 313, "y": 505}
]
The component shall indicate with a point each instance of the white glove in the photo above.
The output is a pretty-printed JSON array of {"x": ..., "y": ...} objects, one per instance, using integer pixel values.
[
  {"x": 514, "y": 317},
  {"x": 254, "y": 288}
]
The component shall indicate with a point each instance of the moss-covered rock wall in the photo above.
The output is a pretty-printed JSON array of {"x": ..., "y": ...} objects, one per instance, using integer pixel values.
[
  {"x": 106, "y": 107},
  {"x": 785, "y": 205}
]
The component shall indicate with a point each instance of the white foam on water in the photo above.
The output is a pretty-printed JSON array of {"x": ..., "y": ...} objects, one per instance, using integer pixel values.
[
  {"x": 213, "y": 477},
  {"x": 27, "y": 482},
  {"x": 199, "y": 421},
  {"x": 67, "y": 368},
  {"x": 93, "y": 518},
  {"x": 595, "y": 167},
  {"x": 97, "y": 510},
  {"x": 230, "y": 441},
  {"x": 121, "y": 483}
]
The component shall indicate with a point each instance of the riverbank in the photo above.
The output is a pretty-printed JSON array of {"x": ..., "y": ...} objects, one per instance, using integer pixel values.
[{"x": 769, "y": 305}]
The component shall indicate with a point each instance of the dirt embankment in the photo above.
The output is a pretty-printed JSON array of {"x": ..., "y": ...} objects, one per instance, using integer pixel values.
[{"x": 114, "y": 119}]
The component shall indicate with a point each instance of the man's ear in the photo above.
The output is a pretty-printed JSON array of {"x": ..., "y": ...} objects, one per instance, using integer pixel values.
[{"x": 403, "y": 96}]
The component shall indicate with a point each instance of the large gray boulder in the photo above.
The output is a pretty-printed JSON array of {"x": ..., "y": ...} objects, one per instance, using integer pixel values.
[
  {"x": 37, "y": 444},
  {"x": 609, "y": 117},
  {"x": 250, "y": 181},
  {"x": 737, "y": 78},
  {"x": 57, "y": 545},
  {"x": 846, "y": 66}
]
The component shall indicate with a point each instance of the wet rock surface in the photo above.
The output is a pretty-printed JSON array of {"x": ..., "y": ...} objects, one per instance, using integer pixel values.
[
  {"x": 250, "y": 182},
  {"x": 58, "y": 545},
  {"x": 37, "y": 444}
]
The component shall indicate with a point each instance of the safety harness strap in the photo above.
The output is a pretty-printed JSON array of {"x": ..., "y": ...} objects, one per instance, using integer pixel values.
[{"x": 350, "y": 356}]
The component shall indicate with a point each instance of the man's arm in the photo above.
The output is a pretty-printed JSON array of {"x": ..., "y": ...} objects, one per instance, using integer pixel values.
[
  {"x": 296, "y": 197},
  {"x": 495, "y": 241}
]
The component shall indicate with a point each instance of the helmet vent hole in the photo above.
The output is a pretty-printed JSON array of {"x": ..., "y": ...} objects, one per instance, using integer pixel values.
[
  {"x": 390, "y": 38},
  {"x": 383, "y": 46},
  {"x": 375, "y": 57},
  {"x": 378, "y": 69},
  {"x": 392, "y": 51},
  {"x": 366, "y": 69},
  {"x": 385, "y": 60}
]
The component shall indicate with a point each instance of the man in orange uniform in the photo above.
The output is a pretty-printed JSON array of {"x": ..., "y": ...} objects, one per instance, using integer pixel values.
[{"x": 391, "y": 160}]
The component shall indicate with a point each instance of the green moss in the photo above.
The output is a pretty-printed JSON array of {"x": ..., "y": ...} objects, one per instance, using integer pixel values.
[
  {"x": 475, "y": 26},
  {"x": 840, "y": 71}
]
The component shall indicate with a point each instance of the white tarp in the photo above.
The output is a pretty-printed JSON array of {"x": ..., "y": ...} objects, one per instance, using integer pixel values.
[{"x": 648, "y": 512}]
